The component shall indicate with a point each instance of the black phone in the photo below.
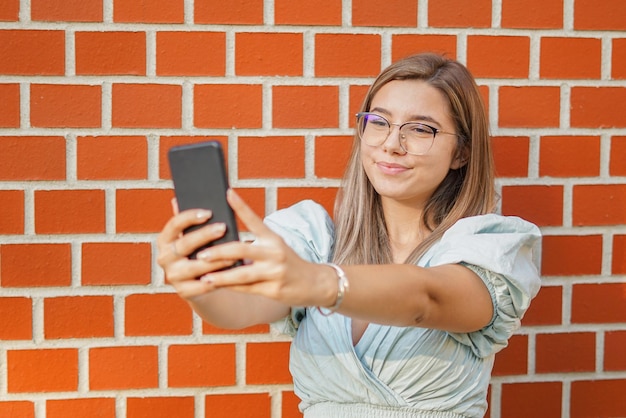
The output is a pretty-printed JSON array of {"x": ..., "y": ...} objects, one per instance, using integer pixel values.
[{"x": 200, "y": 182}]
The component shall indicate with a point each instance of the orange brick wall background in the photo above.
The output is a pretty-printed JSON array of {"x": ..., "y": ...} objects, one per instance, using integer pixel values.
[{"x": 93, "y": 93}]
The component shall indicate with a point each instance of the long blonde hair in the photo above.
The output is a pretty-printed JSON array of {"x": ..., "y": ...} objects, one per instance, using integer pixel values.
[{"x": 361, "y": 233}]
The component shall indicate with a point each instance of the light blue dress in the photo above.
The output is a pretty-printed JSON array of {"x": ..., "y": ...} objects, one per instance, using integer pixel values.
[{"x": 402, "y": 372}]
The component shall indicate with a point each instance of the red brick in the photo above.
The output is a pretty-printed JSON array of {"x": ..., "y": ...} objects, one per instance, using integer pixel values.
[
  {"x": 112, "y": 157},
  {"x": 403, "y": 45},
  {"x": 529, "y": 107},
  {"x": 42, "y": 370},
  {"x": 208, "y": 329},
  {"x": 35, "y": 265},
  {"x": 12, "y": 212},
  {"x": 357, "y": 96},
  {"x": 123, "y": 368},
  {"x": 513, "y": 360},
  {"x": 459, "y": 14},
  {"x": 66, "y": 10},
  {"x": 242, "y": 12},
  {"x": 569, "y": 156},
  {"x": 618, "y": 156},
  {"x": 78, "y": 317},
  {"x": 191, "y": 53},
  {"x": 271, "y": 157},
  {"x": 618, "y": 59},
  {"x": 546, "y": 308},
  {"x": 228, "y": 106},
  {"x": 325, "y": 196},
  {"x": 510, "y": 154},
  {"x": 614, "y": 343},
  {"x": 522, "y": 201},
  {"x": 62, "y": 106},
  {"x": 83, "y": 407},
  {"x": 619, "y": 255},
  {"x": 167, "y": 142},
  {"x": 341, "y": 55},
  {"x": 570, "y": 58},
  {"x": 255, "y": 198},
  {"x": 116, "y": 263},
  {"x": 604, "y": 15},
  {"x": 147, "y": 106},
  {"x": 110, "y": 53},
  {"x": 524, "y": 15},
  {"x": 531, "y": 399},
  {"x": 267, "y": 363},
  {"x": 148, "y": 11},
  {"x": 571, "y": 255},
  {"x": 305, "y": 107},
  {"x": 69, "y": 211},
  {"x": 257, "y": 405},
  {"x": 599, "y": 303},
  {"x": 513, "y": 54},
  {"x": 598, "y": 398},
  {"x": 289, "y": 407},
  {"x": 32, "y": 158},
  {"x": 20, "y": 325},
  {"x": 599, "y": 204},
  {"x": 17, "y": 409},
  {"x": 397, "y": 14},
  {"x": 142, "y": 210},
  {"x": 201, "y": 365},
  {"x": 157, "y": 314},
  {"x": 9, "y": 12},
  {"x": 9, "y": 105},
  {"x": 554, "y": 352},
  {"x": 331, "y": 155},
  {"x": 32, "y": 52},
  {"x": 271, "y": 54},
  {"x": 598, "y": 107},
  {"x": 162, "y": 407},
  {"x": 307, "y": 12}
]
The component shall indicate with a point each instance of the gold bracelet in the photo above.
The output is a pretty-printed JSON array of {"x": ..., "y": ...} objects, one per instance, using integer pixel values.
[{"x": 342, "y": 288}]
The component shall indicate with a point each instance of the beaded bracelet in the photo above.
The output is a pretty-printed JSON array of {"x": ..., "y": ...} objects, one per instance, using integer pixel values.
[{"x": 342, "y": 288}]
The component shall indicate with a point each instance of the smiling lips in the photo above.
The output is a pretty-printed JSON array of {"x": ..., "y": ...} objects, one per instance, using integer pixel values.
[{"x": 391, "y": 168}]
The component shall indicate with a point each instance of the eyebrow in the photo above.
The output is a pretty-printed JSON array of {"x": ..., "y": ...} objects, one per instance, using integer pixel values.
[{"x": 413, "y": 118}]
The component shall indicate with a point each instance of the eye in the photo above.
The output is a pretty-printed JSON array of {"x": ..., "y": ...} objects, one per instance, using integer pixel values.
[
  {"x": 377, "y": 121},
  {"x": 419, "y": 129}
]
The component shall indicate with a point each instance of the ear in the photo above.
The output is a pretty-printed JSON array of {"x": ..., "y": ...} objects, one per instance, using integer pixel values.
[{"x": 461, "y": 158}]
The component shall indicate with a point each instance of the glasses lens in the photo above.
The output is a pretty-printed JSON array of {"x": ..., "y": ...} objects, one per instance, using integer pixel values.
[
  {"x": 373, "y": 129},
  {"x": 417, "y": 138}
]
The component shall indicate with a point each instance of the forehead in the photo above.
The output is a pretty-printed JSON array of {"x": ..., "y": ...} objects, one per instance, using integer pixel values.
[{"x": 411, "y": 100}]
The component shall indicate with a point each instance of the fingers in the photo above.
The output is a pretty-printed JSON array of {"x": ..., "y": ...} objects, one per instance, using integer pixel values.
[{"x": 246, "y": 214}]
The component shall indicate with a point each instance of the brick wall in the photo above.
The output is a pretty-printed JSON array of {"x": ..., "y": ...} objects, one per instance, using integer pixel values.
[{"x": 93, "y": 93}]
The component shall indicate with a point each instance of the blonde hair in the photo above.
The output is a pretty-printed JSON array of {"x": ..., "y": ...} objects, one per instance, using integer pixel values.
[{"x": 467, "y": 191}]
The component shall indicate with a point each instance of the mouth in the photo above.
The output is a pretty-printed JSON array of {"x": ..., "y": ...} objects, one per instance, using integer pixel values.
[{"x": 391, "y": 168}]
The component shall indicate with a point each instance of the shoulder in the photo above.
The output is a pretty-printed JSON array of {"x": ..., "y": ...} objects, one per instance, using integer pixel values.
[{"x": 493, "y": 224}]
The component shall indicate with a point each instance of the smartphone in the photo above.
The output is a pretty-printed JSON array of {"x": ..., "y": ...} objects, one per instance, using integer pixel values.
[{"x": 200, "y": 182}]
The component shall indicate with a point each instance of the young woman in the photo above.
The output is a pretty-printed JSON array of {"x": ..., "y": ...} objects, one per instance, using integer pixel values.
[{"x": 426, "y": 283}]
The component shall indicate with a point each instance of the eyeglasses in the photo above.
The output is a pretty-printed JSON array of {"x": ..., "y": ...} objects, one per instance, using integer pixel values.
[{"x": 415, "y": 138}]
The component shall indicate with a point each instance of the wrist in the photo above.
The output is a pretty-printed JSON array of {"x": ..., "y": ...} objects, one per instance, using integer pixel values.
[{"x": 340, "y": 286}]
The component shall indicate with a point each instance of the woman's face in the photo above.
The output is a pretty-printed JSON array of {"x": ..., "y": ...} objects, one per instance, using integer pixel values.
[{"x": 403, "y": 177}]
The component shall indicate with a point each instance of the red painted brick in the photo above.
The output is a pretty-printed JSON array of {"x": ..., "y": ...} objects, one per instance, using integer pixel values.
[
  {"x": 147, "y": 106},
  {"x": 83, "y": 407},
  {"x": 537, "y": 399},
  {"x": 356, "y": 97},
  {"x": 570, "y": 58},
  {"x": 598, "y": 398},
  {"x": 267, "y": 363},
  {"x": 191, "y": 53},
  {"x": 257, "y": 405},
  {"x": 9, "y": 12},
  {"x": 289, "y": 405},
  {"x": 554, "y": 353},
  {"x": 325, "y": 196},
  {"x": 228, "y": 106},
  {"x": 78, "y": 317},
  {"x": 522, "y": 15},
  {"x": 546, "y": 308},
  {"x": 331, "y": 155},
  {"x": 112, "y": 157},
  {"x": 529, "y": 107},
  {"x": 162, "y": 407},
  {"x": 255, "y": 198},
  {"x": 148, "y": 11},
  {"x": 459, "y": 14},
  {"x": 513, "y": 360},
  {"x": 167, "y": 142},
  {"x": 69, "y": 211},
  {"x": 598, "y": 107},
  {"x": 9, "y": 105},
  {"x": 42, "y": 370},
  {"x": 32, "y": 158},
  {"x": 201, "y": 365},
  {"x": 619, "y": 255},
  {"x": 63, "y": 106},
  {"x": 571, "y": 255},
  {"x": 208, "y": 329},
  {"x": 305, "y": 107},
  {"x": 32, "y": 52},
  {"x": 116, "y": 263},
  {"x": 157, "y": 314},
  {"x": 12, "y": 212},
  {"x": 341, "y": 55},
  {"x": 523, "y": 201},
  {"x": 403, "y": 45},
  {"x": 396, "y": 14},
  {"x": 614, "y": 343},
  {"x": 510, "y": 154},
  {"x": 35, "y": 265},
  {"x": 618, "y": 59},
  {"x": 599, "y": 303},
  {"x": 569, "y": 156},
  {"x": 17, "y": 409},
  {"x": 20, "y": 325},
  {"x": 604, "y": 15},
  {"x": 66, "y": 10},
  {"x": 618, "y": 156},
  {"x": 142, "y": 210},
  {"x": 110, "y": 53},
  {"x": 286, "y": 154},
  {"x": 513, "y": 54},
  {"x": 123, "y": 368},
  {"x": 271, "y": 54},
  {"x": 599, "y": 204},
  {"x": 307, "y": 12},
  {"x": 242, "y": 12}
]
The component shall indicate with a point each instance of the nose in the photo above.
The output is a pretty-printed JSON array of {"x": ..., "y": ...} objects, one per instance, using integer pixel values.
[{"x": 393, "y": 142}]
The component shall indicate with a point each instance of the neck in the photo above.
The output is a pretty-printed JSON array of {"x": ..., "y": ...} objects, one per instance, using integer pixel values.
[{"x": 404, "y": 227}]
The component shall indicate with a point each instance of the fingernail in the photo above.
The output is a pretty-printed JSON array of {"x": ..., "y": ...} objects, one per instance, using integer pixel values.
[
  {"x": 203, "y": 214},
  {"x": 206, "y": 278},
  {"x": 220, "y": 227},
  {"x": 204, "y": 255}
]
